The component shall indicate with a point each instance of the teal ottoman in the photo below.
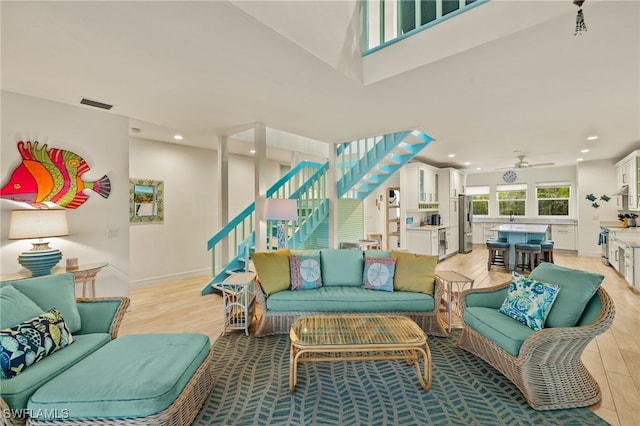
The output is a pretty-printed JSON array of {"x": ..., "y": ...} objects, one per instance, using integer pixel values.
[{"x": 136, "y": 379}]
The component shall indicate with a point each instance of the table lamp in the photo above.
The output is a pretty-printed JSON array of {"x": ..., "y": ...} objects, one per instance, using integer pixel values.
[
  {"x": 39, "y": 223},
  {"x": 282, "y": 210}
]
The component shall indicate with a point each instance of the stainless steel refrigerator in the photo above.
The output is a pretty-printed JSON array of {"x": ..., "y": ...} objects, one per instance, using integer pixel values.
[{"x": 465, "y": 212}]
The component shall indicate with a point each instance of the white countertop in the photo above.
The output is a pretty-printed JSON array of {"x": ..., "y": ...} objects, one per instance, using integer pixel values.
[
  {"x": 521, "y": 228},
  {"x": 426, "y": 227},
  {"x": 628, "y": 236}
]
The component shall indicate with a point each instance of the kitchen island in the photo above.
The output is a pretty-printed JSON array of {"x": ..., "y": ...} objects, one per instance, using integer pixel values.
[{"x": 520, "y": 233}]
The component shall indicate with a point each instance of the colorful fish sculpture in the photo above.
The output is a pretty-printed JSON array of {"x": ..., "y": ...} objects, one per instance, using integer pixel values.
[{"x": 53, "y": 175}]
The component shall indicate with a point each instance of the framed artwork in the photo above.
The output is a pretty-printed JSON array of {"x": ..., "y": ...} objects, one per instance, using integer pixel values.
[{"x": 146, "y": 201}]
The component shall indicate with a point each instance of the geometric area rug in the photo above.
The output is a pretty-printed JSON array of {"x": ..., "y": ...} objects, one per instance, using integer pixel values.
[{"x": 252, "y": 388}]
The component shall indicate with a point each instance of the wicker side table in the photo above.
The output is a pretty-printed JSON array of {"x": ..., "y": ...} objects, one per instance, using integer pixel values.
[
  {"x": 237, "y": 294},
  {"x": 454, "y": 283}
]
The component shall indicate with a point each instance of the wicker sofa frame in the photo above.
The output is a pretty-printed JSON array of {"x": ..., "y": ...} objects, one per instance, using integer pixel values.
[
  {"x": 548, "y": 370},
  {"x": 279, "y": 322}
]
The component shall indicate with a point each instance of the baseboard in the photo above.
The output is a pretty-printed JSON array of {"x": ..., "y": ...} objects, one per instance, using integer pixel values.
[{"x": 170, "y": 277}]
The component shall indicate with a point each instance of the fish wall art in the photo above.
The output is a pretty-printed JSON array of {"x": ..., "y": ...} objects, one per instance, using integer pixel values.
[{"x": 51, "y": 175}]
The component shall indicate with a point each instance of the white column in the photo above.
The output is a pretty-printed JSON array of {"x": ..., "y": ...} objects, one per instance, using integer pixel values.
[
  {"x": 260, "y": 159},
  {"x": 332, "y": 195},
  {"x": 223, "y": 195}
]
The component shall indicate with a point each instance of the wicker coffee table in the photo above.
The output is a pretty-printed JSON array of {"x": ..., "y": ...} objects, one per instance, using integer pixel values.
[{"x": 358, "y": 337}]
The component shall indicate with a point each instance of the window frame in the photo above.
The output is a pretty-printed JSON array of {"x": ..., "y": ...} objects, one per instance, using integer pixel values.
[
  {"x": 480, "y": 190},
  {"x": 516, "y": 187},
  {"x": 554, "y": 185}
]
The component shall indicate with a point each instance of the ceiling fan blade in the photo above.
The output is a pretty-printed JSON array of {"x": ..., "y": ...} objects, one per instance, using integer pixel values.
[{"x": 541, "y": 164}]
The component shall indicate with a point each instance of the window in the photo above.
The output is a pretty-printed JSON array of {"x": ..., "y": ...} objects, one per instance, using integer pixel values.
[
  {"x": 553, "y": 199},
  {"x": 479, "y": 199},
  {"x": 512, "y": 199}
]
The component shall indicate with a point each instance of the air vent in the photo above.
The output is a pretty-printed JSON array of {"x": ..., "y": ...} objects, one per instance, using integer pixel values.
[{"x": 96, "y": 104}]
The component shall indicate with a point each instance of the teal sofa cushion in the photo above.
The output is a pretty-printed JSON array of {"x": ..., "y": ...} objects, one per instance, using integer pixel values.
[
  {"x": 15, "y": 307},
  {"x": 52, "y": 291},
  {"x": 576, "y": 290},
  {"x": 132, "y": 376},
  {"x": 502, "y": 330},
  {"x": 341, "y": 267},
  {"x": 349, "y": 299},
  {"x": 17, "y": 390}
]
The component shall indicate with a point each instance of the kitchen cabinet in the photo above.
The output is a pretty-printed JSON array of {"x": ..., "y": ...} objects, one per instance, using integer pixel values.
[
  {"x": 422, "y": 241},
  {"x": 488, "y": 233},
  {"x": 453, "y": 242},
  {"x": 456, "y": 183},
  {"x": 627, "y": 175},
  {"x": 564, "y": 237},
  {"x": 478, "y": 232},
  {"x": 419, "y": 185},
  {"x": 614, "y": 253}
]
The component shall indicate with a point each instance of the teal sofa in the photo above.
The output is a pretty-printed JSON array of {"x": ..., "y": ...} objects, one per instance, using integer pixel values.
[
  {"x": 92, "y": 322},
  {"x": 342, "y": 292},
  {"x": 545, "y": 364}
]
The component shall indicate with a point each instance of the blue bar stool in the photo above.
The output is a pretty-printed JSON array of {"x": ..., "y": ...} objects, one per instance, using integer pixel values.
[
  {"x": 547, "y": 251},
  {"x": 527, "y": 256},
  {"x": 498, "y": 253}
]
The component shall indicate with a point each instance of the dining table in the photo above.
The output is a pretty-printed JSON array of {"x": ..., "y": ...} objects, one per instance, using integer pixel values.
[{"x": 520, "y": 233}]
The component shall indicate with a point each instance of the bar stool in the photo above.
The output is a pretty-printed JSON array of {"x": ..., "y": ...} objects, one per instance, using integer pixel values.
[
  {"x": 547, "y": 251},
  {"x": 527, "y": 256},
  {"x": 498, "y": 253}
]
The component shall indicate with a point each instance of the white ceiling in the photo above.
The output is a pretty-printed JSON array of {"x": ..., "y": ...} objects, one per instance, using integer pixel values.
[{"x": 213, "y": 67}]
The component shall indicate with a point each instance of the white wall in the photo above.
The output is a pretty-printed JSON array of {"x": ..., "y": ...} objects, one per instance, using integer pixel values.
[
  {"x": 597, "y": 178},
  {"x": 99, "y": 229},
  {"x": 529, "y": 176},
  {"x": 177, "y": 247}
]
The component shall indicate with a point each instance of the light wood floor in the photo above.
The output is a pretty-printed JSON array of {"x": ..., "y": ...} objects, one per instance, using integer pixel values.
[{"x": 613, "y": 357}]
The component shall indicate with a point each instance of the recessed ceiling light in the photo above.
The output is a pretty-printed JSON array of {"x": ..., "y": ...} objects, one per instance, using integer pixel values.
[
  {"x": 478, "y": 168},
  {"x": 579, "y": 159},
  {"x": 585, "y": 150},
  {"x": 451, "y": 155},
  {"x": 466, "y": 163},
  {"x": 592, "y": 138},
  {"x": 177, "y": 137},
  {"x": 253, "y": 151}
]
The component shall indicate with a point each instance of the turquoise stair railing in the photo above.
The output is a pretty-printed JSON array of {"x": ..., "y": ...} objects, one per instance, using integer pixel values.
[
  {"x": 312, "y": 207},
  {"x": 365, "y": 164}
]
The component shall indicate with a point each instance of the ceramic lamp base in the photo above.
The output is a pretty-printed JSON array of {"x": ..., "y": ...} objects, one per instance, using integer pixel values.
[{"x": 40, "y": 262}]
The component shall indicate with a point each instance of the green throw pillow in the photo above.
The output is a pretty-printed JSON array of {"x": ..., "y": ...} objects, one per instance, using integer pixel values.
[
  {"x": 272, "y": 268},
  {"x": 30, "y": 341},
  {"x": 529, "y": 301},
  {"x": 576, "y": 290},
  {"x": 414, "y": 272}
]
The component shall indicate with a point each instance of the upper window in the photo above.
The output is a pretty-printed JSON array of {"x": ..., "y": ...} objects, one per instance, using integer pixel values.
[
  {"x": 479, "y": 199},
  {"x": 553, "y": 199},
  {"x": 512, "y": 199}
]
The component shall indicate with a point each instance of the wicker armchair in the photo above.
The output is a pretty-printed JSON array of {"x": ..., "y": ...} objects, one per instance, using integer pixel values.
[{"x": 548, "y": 370}]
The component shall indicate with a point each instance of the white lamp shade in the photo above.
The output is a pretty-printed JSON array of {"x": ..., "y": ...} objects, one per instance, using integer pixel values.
[
  {"x": 281, "y": 209},
  {"x": 38, "y": 223}
]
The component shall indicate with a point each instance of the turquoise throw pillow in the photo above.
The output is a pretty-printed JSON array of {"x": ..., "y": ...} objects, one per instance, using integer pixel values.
[
  {"x": 305, "y": 272},
  {"x": 578, "y": 287},
  {"x": 529, "y": 301},
  {"x": 15, "y": 307},
  {"x": 378, "y": 273},
  {"x": 30, "y": 341}
]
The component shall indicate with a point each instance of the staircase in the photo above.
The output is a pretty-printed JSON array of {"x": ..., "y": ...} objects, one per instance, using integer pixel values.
[
  {"x": 363, "y": 166},
  {"x": 382, "y": 157}
]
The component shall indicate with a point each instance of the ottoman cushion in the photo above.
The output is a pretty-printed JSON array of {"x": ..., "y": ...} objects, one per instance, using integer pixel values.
[
  {"x": 132, "y": 376},
  {"x": 17, "y": 390}
]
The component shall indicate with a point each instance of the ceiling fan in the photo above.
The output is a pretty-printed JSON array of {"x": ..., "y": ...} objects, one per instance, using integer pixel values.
[{"x": 523, "y": 164}]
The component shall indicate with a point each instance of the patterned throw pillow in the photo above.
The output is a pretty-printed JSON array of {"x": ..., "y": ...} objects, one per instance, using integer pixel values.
[
  {"x": 305, "y": 272},
  {"x": 378, "y": 273},
  {"x": 31, "y": 341},
  {"x": 529, "y": 301}
]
